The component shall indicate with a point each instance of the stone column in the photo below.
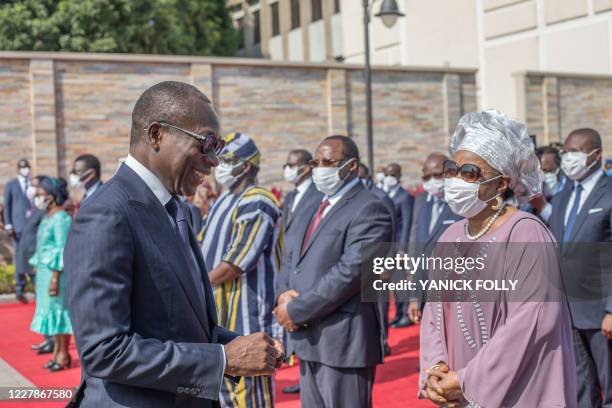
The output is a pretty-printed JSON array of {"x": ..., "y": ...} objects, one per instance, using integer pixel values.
[{"x": 337, "y": 115}]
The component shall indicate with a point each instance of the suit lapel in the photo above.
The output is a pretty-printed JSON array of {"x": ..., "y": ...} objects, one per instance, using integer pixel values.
[
  {"x": 598, "y": 191},
  {"x": 426, "y": 220},
  {"x": 558, "y": 221},
  {"x": 210, "y": 304},
  {"x": 288, "y": 213}
]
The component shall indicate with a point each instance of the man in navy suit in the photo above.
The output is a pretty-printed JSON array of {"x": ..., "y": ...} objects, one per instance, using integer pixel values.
[
  {"x": 337, "y": 337},
  {"x": 432, "y": 219},
  {"x": 403, "y": 202},
  {"x": 140, "y": 300},
  {"x": 16, "y": 206},
  {"x": 581, "y": 221},
  {"x": 85, "y": 175}
]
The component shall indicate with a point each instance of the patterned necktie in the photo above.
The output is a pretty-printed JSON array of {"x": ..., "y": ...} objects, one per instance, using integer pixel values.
[
  {"x": 573, "y": 212},
  {"x": 314, "y": 223}
]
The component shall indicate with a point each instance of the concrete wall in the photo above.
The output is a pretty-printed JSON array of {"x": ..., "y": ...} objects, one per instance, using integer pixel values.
[
  {"x": 556, "y": 103},
  {"x": 57, "y": 106}
]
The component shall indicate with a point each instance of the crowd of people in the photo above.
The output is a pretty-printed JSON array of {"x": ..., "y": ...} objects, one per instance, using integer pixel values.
[{"x": 184, "y": 287}]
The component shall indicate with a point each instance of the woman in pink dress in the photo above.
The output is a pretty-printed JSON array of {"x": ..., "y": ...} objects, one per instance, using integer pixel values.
[{"x": 495, "y": 349}]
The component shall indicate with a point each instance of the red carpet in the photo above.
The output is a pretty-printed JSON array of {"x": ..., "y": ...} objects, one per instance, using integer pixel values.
[{"x": 396, "y": 380}]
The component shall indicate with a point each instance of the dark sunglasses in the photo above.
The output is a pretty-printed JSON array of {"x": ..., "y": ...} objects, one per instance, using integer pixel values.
[
  {"x": 437, "y": 176},
  {"x": 207, "y": 143},
  {"x": 469, "y": 172}
]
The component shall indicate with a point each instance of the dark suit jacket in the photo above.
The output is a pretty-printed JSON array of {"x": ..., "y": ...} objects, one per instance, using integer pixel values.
[
  {"x": 27, "y": 242},
  {"x": 16, "y": 204},
  {"x": 340, "y": 330},
  {"x": 403, "y": 202},
  {"x": 311, "y": 196},
  {"x": 389, "y": 205},
  {"x": 424, "y": 241},
  {"x": 581, "y": 263},
  {"x": 144, "y": 334}
]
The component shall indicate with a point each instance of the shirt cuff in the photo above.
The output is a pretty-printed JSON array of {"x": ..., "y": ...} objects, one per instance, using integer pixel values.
[{"x": 224, "y": 366}]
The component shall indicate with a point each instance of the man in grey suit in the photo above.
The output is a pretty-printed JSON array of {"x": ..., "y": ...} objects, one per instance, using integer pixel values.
[
  {"x": 581, "y": 221},
  {"x": 141, "y": 304},
  {"x": 337, "y": 337},
  {"x": 404, "y": 203},
  {"x": 16, "y": 205}
]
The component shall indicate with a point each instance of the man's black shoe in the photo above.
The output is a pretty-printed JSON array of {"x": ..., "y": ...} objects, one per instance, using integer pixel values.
[
  {"x": 46, "y": 349},
  {"x": 403, "y": 322},
  {"x": 294, "y": 389},
  {"x": 41, "y": 344},
  {"x": 21, "y": 297}
]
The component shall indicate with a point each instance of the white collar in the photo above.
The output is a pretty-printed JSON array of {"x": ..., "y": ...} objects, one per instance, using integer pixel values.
[
  {"x": 93, "y": 188},
  {"x": 150, "y": 179},
  {"x": 589, "y": 182},
  {"x": 334, "y": 198},
  {"x": 303, "y": 186}
]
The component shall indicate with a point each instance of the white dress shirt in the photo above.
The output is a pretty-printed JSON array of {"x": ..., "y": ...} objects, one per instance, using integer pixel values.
[
  {"x": 393, "y": 191},
  {"x": 24, "y": 182},
  {"x": 301, "y": 190},
  {"x": 93, "y": 188},
  {"x": 163, "y": 195},
  {"x": 588, "y": 184},
  {"x": 337, "y": 196}
]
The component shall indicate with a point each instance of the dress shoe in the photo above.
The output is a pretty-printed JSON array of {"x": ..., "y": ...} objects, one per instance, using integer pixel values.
[
  {"x": 21, "y": 297},
  {"x": 40, "y": 345},
  {"x": 46, "y": 349},
  {"x": 403, "y": 322},
  {"x": 294, "y": 389}
]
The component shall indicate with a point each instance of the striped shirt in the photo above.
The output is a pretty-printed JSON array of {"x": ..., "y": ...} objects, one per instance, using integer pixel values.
[{"x": 244, "y": 230}]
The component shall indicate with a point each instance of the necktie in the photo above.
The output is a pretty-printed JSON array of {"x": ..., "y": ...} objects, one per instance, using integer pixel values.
[
  {"x": 178, "y": 215},
  {"x": 435, "y": 213},
  {"x": 314, "y": 223},
  {"x": 573, "y": 212}
]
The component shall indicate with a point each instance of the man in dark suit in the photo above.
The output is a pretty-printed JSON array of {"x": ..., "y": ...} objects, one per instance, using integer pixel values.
[
  {"x": 432, "y": 219},
  {"x": 337, "y": 337},
  {"x": 403, "y": 202},
  {"x": 366, "y": 179},
  {"x": 297, "y": 171},
  {"x": 16, "y": 205},
  {"x": 85, "y": 175},
  {"x": 581, "y": 221},
  {"x": 140, "y": 300}
]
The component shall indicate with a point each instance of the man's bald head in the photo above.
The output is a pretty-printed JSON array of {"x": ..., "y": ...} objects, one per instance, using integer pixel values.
[
  {"x": 168, "y": 101},
  {"x": 435, "y": 159},
  {"x": 589, "y": 138},
  {"x": 393, "y": 169}
]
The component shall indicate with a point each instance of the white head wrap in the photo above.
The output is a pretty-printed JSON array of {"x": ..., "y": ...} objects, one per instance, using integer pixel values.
[{"x": 505, "y": 145}]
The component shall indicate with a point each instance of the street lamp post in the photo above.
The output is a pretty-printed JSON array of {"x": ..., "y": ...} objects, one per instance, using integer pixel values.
[{"x": 389, "y": 13}]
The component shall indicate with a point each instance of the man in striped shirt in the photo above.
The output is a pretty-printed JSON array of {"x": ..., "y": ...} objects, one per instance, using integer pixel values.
[{"x": 242, "y": 251}]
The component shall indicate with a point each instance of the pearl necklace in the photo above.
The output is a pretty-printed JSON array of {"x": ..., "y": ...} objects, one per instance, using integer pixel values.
[{"x": 486, "y": 228}]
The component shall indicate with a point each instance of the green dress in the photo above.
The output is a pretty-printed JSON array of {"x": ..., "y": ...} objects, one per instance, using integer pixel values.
[{"x": 51, "y": 317}]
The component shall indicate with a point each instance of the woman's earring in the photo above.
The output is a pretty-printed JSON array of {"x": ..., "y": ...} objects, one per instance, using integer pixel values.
[{"x": 499, "y": 203}]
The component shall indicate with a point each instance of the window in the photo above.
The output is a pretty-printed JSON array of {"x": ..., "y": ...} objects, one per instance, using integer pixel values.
[
  {"x": 275, "y": 19},
  {"x": 256, "y": 28},
  {"x": 336, "y": 6},
  {"x": 295, "y": 14},
  {"x": 317, "y": 10},
  {"x": 240, "y": 29}
]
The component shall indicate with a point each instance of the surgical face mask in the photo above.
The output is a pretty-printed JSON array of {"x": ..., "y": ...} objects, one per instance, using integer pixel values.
[
  {"x": 379, "y": 177},
  {"x": 574, "y": 165},
  {"x": 75, "y": 181},
  {"x": 223, "y": 174},
  {"x": 434, "y": 186},
  {"x": 327, "y": 179},
  {"x": 24, "y": 171},
  {"x": 462, "y": 197},
  {"x": 40, "y": 202},
  {"x": 31, "y": 192},
  {"x": 550, "y": 182},
  {"x": 290, "y": 173},
  {"x": 389, "y": 182}
]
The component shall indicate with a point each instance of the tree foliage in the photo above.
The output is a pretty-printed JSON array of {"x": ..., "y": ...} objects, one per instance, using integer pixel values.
[{"x": 190, "y": 27}]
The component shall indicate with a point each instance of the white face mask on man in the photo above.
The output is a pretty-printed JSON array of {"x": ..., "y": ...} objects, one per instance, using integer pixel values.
[
  {"x": 24, "y": 171},
  {"x": 434, "y": 186},
  {"x": 290, "y": 173},
  {"x": 31, "y": 192},
  {"x": 389, "y": 182},
  {"x": 327, "y": 179},
  {"x": 462, "y": 197},
  {"x": 574, "y": 164},
  {"x": 550, "y": 182},
  {"x": 224, "y": 176}
]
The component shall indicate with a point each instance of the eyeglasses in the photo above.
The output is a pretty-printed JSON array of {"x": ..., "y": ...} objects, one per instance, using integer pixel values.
[
  {"x": 324, "y": 163},
  {"x": 469, "y": 172},
  {"x": 437, "y": 176},
  {"x": 207, "y": 143}
]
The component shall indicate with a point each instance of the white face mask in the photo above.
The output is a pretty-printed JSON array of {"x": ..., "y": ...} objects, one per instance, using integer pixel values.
[
  {"x": 389, "y": 182},
  {"x": 327, "y": 179},
  {"x": 223, "y": 174},
  {"x": 378, "y": 177},
  {"x": 40, "y": 203},
  {"x": 574, "y": 165},
  {"x": 75, "y": 182},
  {"x": 550, "y": 182},
  {"x": 434, "y": 186},
  {"x": 31, "y": 192},
  {"x": 290, "y": 173},
  {"x": 462, "y": 197},
  {"x": 24, "y": 171}
]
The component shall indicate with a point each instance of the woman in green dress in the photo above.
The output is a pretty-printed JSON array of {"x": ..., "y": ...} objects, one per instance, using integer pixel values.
[{"x": 51, "y": 317}]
